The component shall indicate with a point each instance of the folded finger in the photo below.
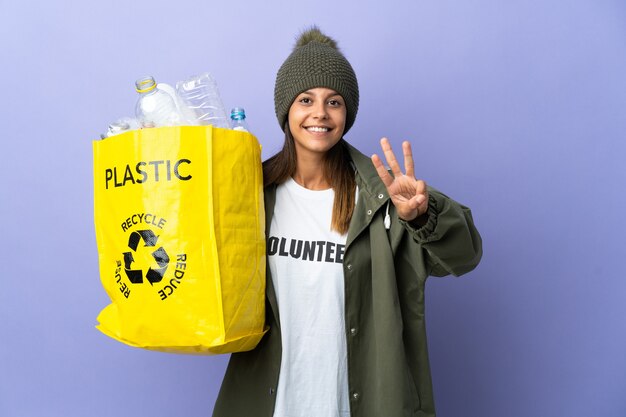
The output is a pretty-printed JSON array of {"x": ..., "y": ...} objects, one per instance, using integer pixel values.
[{"x": 420, "y": 187}]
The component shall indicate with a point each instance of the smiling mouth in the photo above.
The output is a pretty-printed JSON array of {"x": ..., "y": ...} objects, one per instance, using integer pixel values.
[{"x": 317, "y": 129}]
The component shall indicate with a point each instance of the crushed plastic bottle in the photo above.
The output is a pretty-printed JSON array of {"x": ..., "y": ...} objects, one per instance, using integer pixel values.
[
  {"x": 122, "y": 125},
  {"x": 201, "y": 95},
  {"x": 155, "y": 107}
]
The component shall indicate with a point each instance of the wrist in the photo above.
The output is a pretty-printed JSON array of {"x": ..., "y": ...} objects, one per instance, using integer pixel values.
[{"x": 419, "y": 221}]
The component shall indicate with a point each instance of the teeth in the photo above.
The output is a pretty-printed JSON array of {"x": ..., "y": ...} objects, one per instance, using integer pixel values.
[{"x": 317, "y": 129}]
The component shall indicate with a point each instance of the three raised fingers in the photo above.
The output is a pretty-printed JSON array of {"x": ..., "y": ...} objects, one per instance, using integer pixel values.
[{"x": 393, "y": 162}]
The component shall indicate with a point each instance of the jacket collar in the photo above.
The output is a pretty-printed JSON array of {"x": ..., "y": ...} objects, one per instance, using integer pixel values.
[
  {"x": 372, "y": 194},
  {"x": 367, "y": 177}
]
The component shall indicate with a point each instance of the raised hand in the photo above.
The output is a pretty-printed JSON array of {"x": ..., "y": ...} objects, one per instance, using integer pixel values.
[{"x": 409, "y": 195}]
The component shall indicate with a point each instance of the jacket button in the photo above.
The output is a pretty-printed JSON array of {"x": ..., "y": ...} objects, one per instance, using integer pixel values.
[
  {"x": 349, "y": 266},
  {"x": 380, "y": 196},
  {"x": 353, "y": 331},
  {"x": 272, "y": 391},
  {"x": 369, "y": 212},
  {"x": 355, "y": 396}
]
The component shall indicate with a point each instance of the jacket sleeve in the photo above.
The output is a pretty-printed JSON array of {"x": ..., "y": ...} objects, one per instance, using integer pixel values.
[{"x": 449, "y": 237}]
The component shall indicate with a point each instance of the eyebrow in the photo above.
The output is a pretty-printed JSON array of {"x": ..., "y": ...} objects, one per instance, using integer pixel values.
[{"x": 311, "y": 94}]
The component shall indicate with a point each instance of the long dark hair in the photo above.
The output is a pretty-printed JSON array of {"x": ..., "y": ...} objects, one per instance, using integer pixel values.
[{"x": 338, "y": 172}]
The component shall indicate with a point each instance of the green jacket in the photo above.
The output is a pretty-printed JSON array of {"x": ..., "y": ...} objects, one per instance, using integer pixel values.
[{"x": 385, "y": 272}]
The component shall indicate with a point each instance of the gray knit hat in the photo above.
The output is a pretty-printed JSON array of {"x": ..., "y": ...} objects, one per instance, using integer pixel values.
[{"x": 315, "y": 62}]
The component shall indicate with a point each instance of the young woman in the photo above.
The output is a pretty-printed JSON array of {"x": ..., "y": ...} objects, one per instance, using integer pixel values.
[{"x": 350, "y": 246}]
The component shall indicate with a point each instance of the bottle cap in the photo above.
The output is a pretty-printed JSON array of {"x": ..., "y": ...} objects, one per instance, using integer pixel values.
[
  {"x": 145, "y": 84},
  {"x": 238, "y": 113}
]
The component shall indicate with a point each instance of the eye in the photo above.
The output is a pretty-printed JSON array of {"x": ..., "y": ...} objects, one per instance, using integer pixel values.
[
  {"x": 334, "y": 102},
  {"x": 305, "y": 100}
]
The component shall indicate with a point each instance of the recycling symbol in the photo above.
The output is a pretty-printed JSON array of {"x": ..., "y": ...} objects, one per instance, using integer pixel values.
[{"x": 156, "y": 261}]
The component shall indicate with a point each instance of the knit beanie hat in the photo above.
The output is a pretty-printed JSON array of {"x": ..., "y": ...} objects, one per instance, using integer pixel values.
[{"x": 315, "y": 62}]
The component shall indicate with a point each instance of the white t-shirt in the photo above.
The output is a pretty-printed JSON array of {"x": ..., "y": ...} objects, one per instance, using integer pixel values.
[{"x": 305, "y": 259}]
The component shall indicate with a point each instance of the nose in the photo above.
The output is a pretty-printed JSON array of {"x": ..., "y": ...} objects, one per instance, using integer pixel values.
[{"x": 319, "y": 110}]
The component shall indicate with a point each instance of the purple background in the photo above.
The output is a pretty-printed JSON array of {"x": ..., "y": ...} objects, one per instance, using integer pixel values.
[{"x": 516, "y": 109}]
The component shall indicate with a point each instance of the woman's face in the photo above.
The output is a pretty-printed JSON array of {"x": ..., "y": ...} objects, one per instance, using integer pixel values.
[{"x": 317, "y": 119}]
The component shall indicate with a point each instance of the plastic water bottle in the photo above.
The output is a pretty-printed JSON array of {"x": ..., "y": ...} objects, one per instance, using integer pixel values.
[
  {"x": 155, "y": 107},
  {"x": 238, "y": 119},
  {"x": 200, "y": 94},
  {"x": 188, "y": 116}
]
